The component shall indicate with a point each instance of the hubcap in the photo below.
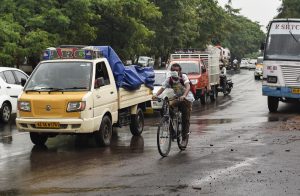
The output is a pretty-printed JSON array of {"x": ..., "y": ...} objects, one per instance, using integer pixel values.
[{"x": 6, "y": 113}]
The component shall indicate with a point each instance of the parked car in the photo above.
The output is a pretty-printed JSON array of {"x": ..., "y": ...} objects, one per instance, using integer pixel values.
[
  {"x": 244, "y": 63},
  {"x": 160, "y": 77},
  {"x": 10, "y": 89},
  {"x": 252, "y": 64},
  {"x": 145, "y": 61}
]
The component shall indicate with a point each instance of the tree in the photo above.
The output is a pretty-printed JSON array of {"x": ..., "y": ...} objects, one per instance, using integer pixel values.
[
  {"x": 289, "y": 9},
  {"x": 124, "y": 25}
]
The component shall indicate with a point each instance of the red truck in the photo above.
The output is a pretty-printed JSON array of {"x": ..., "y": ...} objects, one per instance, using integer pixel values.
[{"x": 202, "y": 69}]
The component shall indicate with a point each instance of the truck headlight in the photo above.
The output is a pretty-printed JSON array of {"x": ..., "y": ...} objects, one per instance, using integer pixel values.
[
  {"x": 194, "y": 81},
  {"x": 24, "y": 106},
  {"x": 76, "y": 106}
]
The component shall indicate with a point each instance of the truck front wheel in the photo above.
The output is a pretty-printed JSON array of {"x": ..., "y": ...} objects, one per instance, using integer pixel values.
[
  {"x": 137, "y": 123},
  {"x": 104, "y": 134},
  {"x": 38, "y": 139},
  {"x": 273, "y": 104}
]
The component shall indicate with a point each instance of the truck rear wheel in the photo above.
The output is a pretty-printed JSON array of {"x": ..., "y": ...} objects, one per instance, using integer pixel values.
[
  {"x": 137, "y": 123},
  {"x": 203, "y": 98},
  {"x": 104, "y": 134},
  {"x": 273, "y": 104},
  {"x": 213, "y": 95},
  {"x": 38, "y": 139}
]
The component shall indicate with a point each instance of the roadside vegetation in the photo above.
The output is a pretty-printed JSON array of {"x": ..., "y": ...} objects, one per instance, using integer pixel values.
[{"x": 131, "y": 27}]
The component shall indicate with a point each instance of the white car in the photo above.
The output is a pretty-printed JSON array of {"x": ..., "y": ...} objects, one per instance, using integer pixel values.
[
  {"x": 160, "y": 77},
  {"x": 244, "y": 63},
  {"x": 10, "y": 89},
  {"x": 145, "y": 61},
  {"x": 252, "y": 64}
]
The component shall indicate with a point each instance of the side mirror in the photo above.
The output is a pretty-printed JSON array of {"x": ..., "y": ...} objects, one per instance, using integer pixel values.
[
  {"x": 262, "y": 46},
  {"x": 203, "y": 69},
  {"x": 99, "y": 82},
  {"x": 23, "y": 81}
]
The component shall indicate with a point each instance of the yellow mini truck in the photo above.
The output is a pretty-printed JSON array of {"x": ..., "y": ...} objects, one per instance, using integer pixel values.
[{"x": 75, "y": 92}]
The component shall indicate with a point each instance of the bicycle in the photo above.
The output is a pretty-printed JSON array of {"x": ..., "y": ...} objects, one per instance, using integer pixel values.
[{"x": 171, "y": 119}]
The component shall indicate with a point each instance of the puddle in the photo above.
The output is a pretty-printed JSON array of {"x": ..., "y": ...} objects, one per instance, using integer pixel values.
[
  {"x": 252, "y": 120},
  {"x": 212, "y": 121},
  {"x": 277, "y": 118}
]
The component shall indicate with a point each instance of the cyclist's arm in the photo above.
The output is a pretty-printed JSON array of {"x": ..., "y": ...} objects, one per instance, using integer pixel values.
[
  {"x": 186, "y": 85},
  {"x": 187, "y": 89},
  {"x": 160, "y": 91},
  {"x": 165, "y": 84}
]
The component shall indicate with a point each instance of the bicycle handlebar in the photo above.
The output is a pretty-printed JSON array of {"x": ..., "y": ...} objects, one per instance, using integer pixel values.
[{"x": 161, "y": 99}]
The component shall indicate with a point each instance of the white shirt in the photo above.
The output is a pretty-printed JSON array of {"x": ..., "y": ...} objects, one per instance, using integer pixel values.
[{"x": 178, "y": 87}]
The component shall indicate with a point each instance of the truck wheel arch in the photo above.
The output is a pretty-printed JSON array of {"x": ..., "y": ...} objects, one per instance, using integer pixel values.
[
  {"x": 97, "y": 126},
  {"x": 104, "y": 134}
]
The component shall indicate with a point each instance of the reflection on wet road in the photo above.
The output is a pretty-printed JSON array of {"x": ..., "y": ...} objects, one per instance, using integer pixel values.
[{"x": 236, "y": 148}]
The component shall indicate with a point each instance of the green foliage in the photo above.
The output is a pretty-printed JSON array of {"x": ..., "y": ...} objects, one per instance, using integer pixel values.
[
  {"x": 123, "y": 25},
  {"x": 289, "y": 9},
  {"x": 131, "y": 27},
  {"x": 245, "y": 37}
]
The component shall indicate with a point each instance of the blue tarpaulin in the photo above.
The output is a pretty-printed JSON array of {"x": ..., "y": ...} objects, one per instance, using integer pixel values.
[{"x": 128, "y": 77}]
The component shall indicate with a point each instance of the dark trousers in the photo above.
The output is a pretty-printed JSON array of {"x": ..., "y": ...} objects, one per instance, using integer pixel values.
[{"x": 185, "y": 107}]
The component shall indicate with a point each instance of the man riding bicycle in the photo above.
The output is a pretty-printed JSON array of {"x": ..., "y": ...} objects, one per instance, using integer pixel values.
[{"x": 181, "y": 85}]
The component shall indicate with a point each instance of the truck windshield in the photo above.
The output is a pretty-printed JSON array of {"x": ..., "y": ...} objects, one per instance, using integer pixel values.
[
  {"x": 61, "y": 76},
  {"x": 283, "y": 42},
  {"x": 190, "y": 67}
]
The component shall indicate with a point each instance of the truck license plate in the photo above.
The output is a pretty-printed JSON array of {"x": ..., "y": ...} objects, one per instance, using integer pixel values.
[
  {"x": 52, "y": 125},
  {"x": 296, "y": 90}
]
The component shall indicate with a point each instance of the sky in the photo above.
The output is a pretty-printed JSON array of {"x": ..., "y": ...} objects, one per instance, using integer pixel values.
[{"x": 261, "y": 11}]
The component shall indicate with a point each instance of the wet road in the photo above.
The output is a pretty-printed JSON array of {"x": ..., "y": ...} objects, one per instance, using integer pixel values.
[{"x": 236, "y": 148}]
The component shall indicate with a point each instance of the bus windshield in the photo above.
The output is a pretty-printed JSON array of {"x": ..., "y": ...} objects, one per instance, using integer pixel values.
[{"x": 283, "y": 42}]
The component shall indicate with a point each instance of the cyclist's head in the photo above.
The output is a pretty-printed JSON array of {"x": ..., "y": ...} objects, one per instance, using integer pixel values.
[{"x": 176, "y": 67}]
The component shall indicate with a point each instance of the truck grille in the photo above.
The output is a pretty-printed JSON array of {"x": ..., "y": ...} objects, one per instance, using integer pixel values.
[{"x": 291, "y": 75}]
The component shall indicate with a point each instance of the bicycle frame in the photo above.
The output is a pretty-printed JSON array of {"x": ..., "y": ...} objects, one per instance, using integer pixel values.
[
  {"x": 171, "y": 120},
  {"x": 173, "y": 114}
]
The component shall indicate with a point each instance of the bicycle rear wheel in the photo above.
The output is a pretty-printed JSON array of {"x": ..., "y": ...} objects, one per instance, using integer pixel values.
[
  {"x": 164, "y": 137},
  {"x": 180, "y": 142}
]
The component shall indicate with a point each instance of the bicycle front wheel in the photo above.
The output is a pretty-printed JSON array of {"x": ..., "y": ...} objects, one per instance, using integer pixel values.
[
  {"x": 181, "y": 141},
  {"x": 164, "y": 137}
]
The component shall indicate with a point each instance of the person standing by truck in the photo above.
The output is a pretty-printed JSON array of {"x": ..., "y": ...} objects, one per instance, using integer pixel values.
[{"x": 181, "y": 85}]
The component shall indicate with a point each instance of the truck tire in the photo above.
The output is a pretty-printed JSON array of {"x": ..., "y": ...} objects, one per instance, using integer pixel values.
[
  {"x": 203, "y": 98},
  {"x": 213, "y": 95},
  {"x": 273, "y": 104},
  {"x": 137, "y": 123},
  {"x": 104, "y": 134},
  {"x": 38, "y": 139},
  {"x": 5, "y": 113}
]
